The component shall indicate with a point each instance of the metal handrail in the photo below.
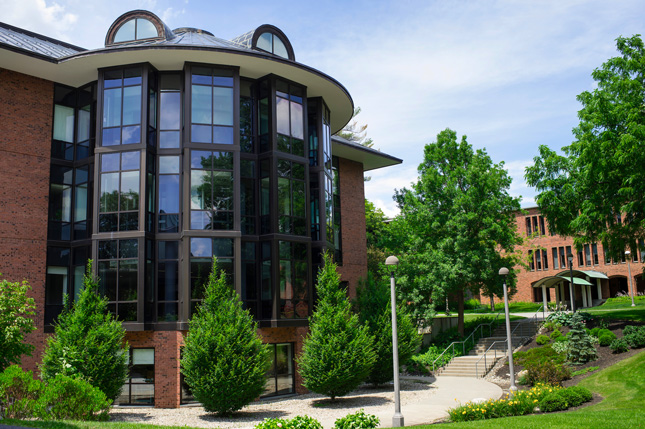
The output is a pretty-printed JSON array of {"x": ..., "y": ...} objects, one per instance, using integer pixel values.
[
  {"x": 463, "y": 342},
  {"x": 533, "y": 320},
  {"x": 484, "y": 357}
]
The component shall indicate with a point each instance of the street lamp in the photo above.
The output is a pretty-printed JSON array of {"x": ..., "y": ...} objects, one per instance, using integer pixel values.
[
  {"x": 504, "y": 272},
  {"x": 397, "y": 419},
  {"x": 629, "y": 271},
  {"x": 573, "y": 299}
]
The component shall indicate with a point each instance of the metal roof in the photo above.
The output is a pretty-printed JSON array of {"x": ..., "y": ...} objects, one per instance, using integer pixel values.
[
  {"x": 588, "y": 273},
  {"x": 36, "y": 44},
  {"x": 187, "y": 37},
  {"x": 369, "y": 157}
]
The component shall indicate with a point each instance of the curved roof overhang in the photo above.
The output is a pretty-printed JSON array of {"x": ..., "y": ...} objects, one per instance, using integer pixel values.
[
  {"x": 370, "y": 158},
  {"x": 588, "y": 273},
  {"x": 551, "y": 281},
  {"x": 79, "y": 69}
]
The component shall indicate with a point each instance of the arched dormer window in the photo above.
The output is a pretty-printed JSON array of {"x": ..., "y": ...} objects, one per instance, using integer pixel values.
[
  {"x": 271, "y": 39},
  {"x": 136, "y": 25}
]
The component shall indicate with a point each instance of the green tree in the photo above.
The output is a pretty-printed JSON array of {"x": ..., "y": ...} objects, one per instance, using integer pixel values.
[
  {"x": 457, "y": 227},
  {"x": 88, "y": 342},
  {"x": 376, "y": 234},
  {"x": 374, "y": 311},
  {"x": 338, "y": 352},
  {"x": 356, "y": 133},
  {"x": 596, "y": 191},
  {"x": 224, "y": 360},
  {"x": 17, "y": 310}
]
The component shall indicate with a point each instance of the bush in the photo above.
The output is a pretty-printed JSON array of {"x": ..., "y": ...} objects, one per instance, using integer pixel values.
[
  {"x": 594, "y": 332},
  {"x": 584, "y": 393},
  {"x": 605, "y": 338},
  {"x": 422, "y": 362},
  {"x": 546, "y": 372},
  {"x": 581, "y": 347},
  {"x": 298, "y": 422},
  {"x": 17, "y": 310},
  {"x": 358, "y": 420},
  {"x": 337, "y": 354},
  {"x": 551, "y": 326},
  {"x": 88, "y": 342},
  {"x": 630, "y": 329},
  {"x": 555, "y": 334},
  {"x": 572, "y": 397},
  {"x": 67, "y": 398},
  {"x": 553, "y": 402},
  {"x": 561, "y": 346},
  {"x": 224, "y": 361},
  {"x": 637, "y": 339},
  {"x": 538, "y": 354},
  {"x": 542, "y": 340},
  {"x": 18, "y": 393},
  {"x": 374, "y": 311},
  {"x": 619, "y": 345}
]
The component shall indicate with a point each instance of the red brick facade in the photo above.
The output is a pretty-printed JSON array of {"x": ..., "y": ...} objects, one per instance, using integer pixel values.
[
  {"x": 25, "y": 147},
  {"x": 354, "y": 241},
  {"x": 542, "y": 240}
]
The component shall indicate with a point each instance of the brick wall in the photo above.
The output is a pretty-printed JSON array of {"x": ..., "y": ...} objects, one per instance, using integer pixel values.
[
  {"x": 287, "y": 335},
  {"x": 25, "y": 147},
  {"x": 354, "y": 241},
  {"x": 527, "y": 278}
]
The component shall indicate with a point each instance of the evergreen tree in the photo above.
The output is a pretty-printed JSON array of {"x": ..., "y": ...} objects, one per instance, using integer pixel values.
[
  {"x": 375, "y": 312},
  {"x": 338, "y": 352},
  {"x": 88, "y": 342},
  {"x": 224, "y": 360}
]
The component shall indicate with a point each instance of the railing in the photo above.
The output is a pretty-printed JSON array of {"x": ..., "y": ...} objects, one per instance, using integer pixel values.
[
  {"x": 533, "y": 320},
  {"x": 470, "y": 337},
  {"x": 485, "y": 357}
]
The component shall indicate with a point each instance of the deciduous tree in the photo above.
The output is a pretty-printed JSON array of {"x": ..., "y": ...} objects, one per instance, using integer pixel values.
[
  {"x": 457, "y": 226},
  {"x": 596, "y": 191},
  {"x": 17, "y": 310}
]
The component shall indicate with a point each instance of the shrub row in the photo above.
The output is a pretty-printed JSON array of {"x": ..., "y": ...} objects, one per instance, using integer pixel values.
[
  {"x": 61, "y": 398},
  {"x": 358, "y": 420},
  {"x": 544, "y": 397}
]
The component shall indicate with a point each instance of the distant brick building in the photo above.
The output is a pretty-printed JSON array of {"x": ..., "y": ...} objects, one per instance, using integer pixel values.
[
  {"x": 159, "y": 151},
  {"x": 596, "y": 275}
]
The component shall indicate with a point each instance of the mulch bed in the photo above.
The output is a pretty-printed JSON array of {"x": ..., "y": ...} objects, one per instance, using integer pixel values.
[{"x": 605, "y": 359}]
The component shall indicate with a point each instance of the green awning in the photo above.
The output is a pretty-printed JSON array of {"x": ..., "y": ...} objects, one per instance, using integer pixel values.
[{"x": 551, "y": 281}]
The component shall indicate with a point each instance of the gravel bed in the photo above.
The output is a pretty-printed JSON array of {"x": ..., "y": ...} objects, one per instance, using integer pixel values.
[{"x": 372, "y": 400}]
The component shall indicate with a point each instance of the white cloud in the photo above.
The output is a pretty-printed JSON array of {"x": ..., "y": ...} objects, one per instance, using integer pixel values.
[{"x": 36, "y": 15}]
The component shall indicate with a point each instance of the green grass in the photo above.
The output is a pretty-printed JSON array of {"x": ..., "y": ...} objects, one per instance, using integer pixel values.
[
  {"x": 620, "y": 309},
  {"x": 622, "y": 386},
  {"x": 84, "y": 425},
  {"x": 513, "y": 307}
]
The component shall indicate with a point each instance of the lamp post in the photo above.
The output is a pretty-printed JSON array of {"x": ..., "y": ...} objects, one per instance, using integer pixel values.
[
  {"x": 397, "y": 419},
  {"x": 504, "y": 272},
  {"x": 629, "y": 271},
  {"x": 573, "y": 299}
]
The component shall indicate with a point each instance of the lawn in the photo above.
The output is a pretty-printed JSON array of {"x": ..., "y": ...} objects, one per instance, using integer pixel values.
[
  {"x": 84, "y": 425},
  {"x": 513, "y": 307},
  {"x": 620, "y": 309},
  {"x": 622, "y": 386}
]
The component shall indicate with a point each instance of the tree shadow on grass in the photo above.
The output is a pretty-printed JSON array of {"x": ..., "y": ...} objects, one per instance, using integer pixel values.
[
  {"x": 243, "y": 415},
  {"x": 131, "y": 416}
]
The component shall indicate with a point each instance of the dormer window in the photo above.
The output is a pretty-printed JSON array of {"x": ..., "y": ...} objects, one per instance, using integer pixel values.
[
  {"x": 136, "y": 29},
  {"x": 271, "y": 43}
]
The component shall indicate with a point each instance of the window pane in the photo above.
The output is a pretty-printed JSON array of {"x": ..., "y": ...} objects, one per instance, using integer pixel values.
[
  {"x": 222, "y": 191},
  {"x": 297, "y": 127},
  {"x": 201, "y": 133},
  {"x": 169, "y": 139},
  {"x": 170, "y": 110},
  {"x": 223, "y": 135},
  {"x": 282, "y": 115},
  {"x": 200, "y": 189},
  {"x": 125, "y": 33},
  {"x": 279, "y": 48},
  {"x": 201, "y": 104},
  {"x": 63, "y": 123},
  {"x": 201, "y": 247},
  {"x": 143, "y": 356},
  {"x": 222, "y": 106},
  {"x": 129, "y": 190},
  {"x": 109, "y": 192},
  {"x": 128, "y": 280},
  {"x": 265, "y": 42},
  {"x": 112, "y": 107},
  {"x": 145, "y": 29},
  {"x": 169, "y": 194},
  {"x": 168, "y": 164},
  {"x": 130, "y": 160},
  {"x": 168, "y": 280},
  {"x": 284, "y": 197},
  {"x": 132, "y": 105},
  {"x": 80, "y": 208},
  {"x": 111, "y": 136},
  {"x": 131, "y": 135}
]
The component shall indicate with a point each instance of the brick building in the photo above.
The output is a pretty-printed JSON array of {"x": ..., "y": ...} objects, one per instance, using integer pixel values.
[
  {"x": 157, "y": 152},
  {"x": 596, "y": 275}
]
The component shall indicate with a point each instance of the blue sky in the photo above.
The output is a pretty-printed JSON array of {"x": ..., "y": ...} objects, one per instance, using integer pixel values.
[{"x": 504, "y": 73}]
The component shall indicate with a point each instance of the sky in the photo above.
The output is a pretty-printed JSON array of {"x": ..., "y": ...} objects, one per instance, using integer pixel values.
[{"x": 504, "y": 73}]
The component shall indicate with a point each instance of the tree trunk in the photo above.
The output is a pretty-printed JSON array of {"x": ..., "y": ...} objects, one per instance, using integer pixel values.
[
  {"x": 492, "y": 304},
  {"x": 460, "y": 311}
]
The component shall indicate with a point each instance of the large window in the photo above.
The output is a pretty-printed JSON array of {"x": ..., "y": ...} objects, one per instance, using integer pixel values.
[
  {"x": 272, "y": 43},
  {"x": 202, "y": 250},
  {"x": 292, "y": 203},
  {"x": 168, "y": 281},
  {"x": 169, "y": 193},
  {"x": 290, "y": 118},
  {"x": 119, "y": 192},
  {"x": 212, "y": 106},
  {"x": 122, "y": 107},
  {"x": 68, "y": 203},
  {"x": 136, "y": 29},
  {"x": 294, "y": 292},
  {"x": 118, "y": 270},
  {"x": 211, "y": 190},
  {"x": 139, "y": 389}
]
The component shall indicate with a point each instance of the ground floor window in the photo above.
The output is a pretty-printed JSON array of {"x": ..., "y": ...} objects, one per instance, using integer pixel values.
[
  {"x": 139, "y": 389},
  {"x": 280, "y": 378}
]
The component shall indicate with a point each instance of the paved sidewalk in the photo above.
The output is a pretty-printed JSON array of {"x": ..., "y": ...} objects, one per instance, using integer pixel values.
[{"x": 463, "y": 389}]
